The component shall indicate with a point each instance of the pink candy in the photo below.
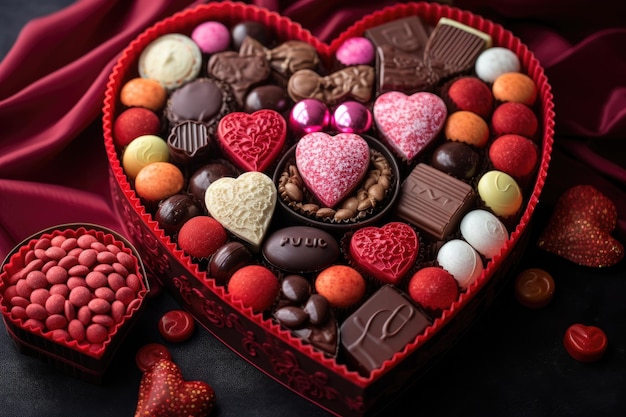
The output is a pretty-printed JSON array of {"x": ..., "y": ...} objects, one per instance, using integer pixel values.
[
  {"x": 332, "y": 166},
  {"x": 356, "y": 51},
  {"x": 409, "y": 124},
  {"x": 211, "y": 37},
  {"x": 73, "y": 288}
]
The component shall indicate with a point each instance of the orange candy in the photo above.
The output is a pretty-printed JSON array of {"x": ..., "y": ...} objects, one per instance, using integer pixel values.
[
  {"x": 143, "y": 92},
  {"x": 159, "y": 180},
  {"x": 516, "y": 87},
  {"x": 343, "y": 286},
  {"x": 466, "y": 126}
]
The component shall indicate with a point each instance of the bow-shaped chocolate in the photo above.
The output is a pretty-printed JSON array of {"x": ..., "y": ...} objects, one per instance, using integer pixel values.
[
  {"x": 286, "y": 58},
  {"x": 351, "y": 82}
]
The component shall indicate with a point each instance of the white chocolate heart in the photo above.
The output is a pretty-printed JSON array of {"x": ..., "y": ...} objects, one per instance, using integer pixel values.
[{"x": 243, "y": 205}]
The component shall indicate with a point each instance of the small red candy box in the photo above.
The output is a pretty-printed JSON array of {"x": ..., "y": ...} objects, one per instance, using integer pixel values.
[
  {"x": 325, "y": 381},
  {"x": 69, "y": 295}
]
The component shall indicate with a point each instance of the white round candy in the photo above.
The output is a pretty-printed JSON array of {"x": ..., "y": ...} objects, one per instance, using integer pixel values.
[
  {"x": 493, "y": 62},
  {"x": 461, "y": 261},
  {"x": 484, "y": 232}
]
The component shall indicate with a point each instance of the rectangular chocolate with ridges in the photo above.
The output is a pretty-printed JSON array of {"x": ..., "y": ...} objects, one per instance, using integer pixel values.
[{"x": 434, "y": 201}]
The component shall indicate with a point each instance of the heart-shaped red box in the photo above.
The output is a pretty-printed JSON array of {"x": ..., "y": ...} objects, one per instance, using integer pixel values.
[
  {"x": 80, "y": 358},
  {"x": 322, "y": 380}
]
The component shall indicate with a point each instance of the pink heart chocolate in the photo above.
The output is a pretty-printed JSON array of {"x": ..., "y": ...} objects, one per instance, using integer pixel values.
[
  {"x": 387, "y": 253},
  {"x": 252, "y": 141},
  {"x": 408, "y": 124},
  {"x": 332, "y": 166}
]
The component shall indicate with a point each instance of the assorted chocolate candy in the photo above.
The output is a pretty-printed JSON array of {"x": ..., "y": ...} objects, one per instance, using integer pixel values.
[{"x": 365, "y": 194}]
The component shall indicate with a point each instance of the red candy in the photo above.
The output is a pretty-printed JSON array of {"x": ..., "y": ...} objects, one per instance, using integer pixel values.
[
  {"x": 514, "y": 118},
  {"x": 256, "y": 286},
  {"x": 150, "y": 354},
  {"x": 134, "y": 122},
  {"x": 201, "y": 236},
  {"x": 514, "y": 155},
  {"x": 471, "y": 94},
  {"x": 176, "y": 326},
  {"x": 434, "y": 288},
  {"x": 64, "y": 290},
  {"x": 585, "y": 343}
]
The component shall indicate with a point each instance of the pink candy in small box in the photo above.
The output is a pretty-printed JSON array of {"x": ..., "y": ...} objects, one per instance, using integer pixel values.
[{"x": 70, "y": 293}]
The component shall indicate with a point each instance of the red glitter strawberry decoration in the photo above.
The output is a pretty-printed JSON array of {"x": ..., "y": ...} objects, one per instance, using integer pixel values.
[
  {"x": 164, "y": 393},
  {"x": 580, "y": 228}
]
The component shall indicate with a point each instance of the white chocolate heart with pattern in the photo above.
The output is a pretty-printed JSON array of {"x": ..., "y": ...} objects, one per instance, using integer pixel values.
[{"x": 243, "y": 205}]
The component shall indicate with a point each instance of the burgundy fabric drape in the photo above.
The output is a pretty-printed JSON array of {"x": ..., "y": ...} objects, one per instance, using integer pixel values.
[{"x": 52, "y": 163}]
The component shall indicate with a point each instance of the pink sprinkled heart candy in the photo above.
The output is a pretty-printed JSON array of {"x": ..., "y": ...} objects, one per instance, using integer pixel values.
[
  {"x": 409, "y": 124},
  {"x": 332, "y": 166}
]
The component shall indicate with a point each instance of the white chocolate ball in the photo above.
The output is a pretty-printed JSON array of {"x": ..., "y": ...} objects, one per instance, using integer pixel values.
[
  {"x": 461, "y": 261},
  {"x": 495, "y": 61},
  {"x": 484, "y": 232}
]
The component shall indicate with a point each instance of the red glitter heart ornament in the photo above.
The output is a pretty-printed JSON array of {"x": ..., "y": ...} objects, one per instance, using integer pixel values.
[
  {"x": 580, "y": 228},
  {"x": 252, "y": 141},
  {"x": 164, "y": 393},
  {"x": 387, "y": 252}
]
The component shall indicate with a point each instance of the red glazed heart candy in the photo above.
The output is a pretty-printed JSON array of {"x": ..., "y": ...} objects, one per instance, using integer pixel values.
[
  {"x": 252, "y": 141},
  {"x": 332, "y": 166},
  {"x": 580, "y": 226},
  {"x": 164, "y": 393},
  {"x": 387, "y": 253},
  {"x": 409, "y": 124},
  {"x": 585, "y": 343}
]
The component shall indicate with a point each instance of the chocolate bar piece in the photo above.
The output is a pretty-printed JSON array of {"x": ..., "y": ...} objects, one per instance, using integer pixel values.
[
  {"x": 434, "y": 201},
  {"x": 453, "y": 47},
  {"x": 380, "y": 328},
  {"x": 400, "y": 46}
]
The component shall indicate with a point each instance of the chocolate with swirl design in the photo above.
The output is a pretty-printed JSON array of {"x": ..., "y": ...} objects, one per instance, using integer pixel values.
[{"x": 380, "y": 328}]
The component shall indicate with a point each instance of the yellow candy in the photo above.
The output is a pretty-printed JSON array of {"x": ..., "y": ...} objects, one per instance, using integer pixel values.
[
  {"x": 500, "y": 193},
  {"x": 142, "y": 151}
]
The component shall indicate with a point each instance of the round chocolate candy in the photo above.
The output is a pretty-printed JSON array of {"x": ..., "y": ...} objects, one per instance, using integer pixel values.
[
  {"x": 457, "y": 159},
  {"x": 176, "y": 326},
  {"x": 295, "y": 288},
  {"x": 207, "y": 174},
  {"x": 534, "y": 288},
  {"x": 250, "y": 28},
  {"x": 271, "y": 97},
  {"x": 174, "y": 211},
  {"x": 484, "y": 232},
  {"x": 227, "y": 259}
]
